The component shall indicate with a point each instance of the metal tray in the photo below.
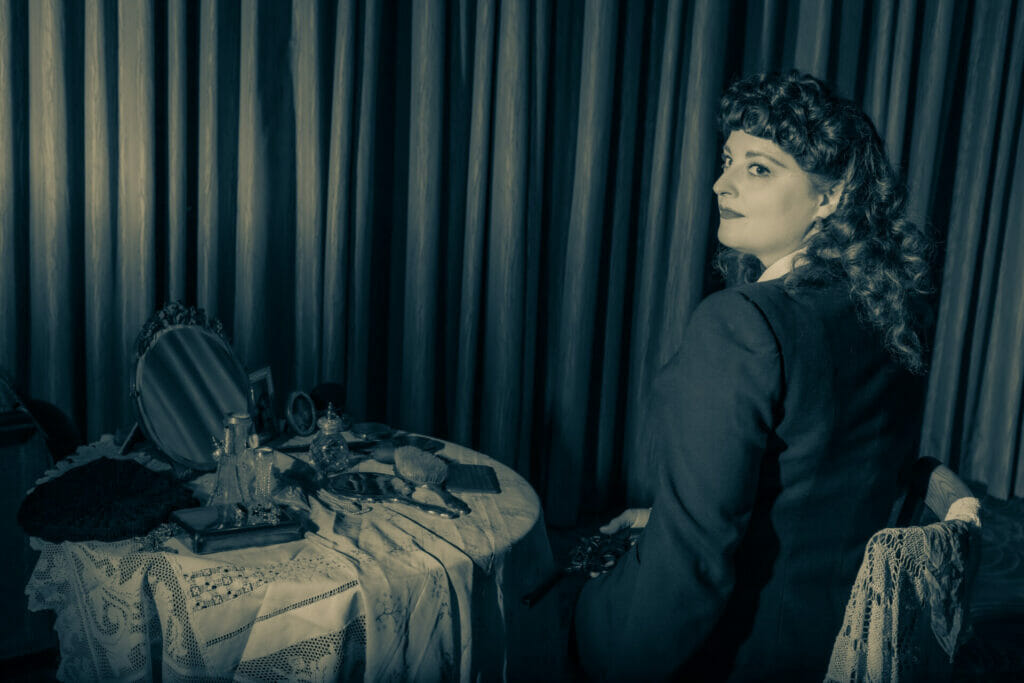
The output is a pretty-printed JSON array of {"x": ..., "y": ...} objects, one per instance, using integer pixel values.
[{"x": 212, "y": 528}]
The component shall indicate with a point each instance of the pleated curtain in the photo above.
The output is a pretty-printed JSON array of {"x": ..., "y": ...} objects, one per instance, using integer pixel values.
[
  {"x": 489, "y": 220},
  {"x": 975, "y": 409}
]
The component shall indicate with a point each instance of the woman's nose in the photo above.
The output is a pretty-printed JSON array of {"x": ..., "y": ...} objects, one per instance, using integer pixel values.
[{"x": 723, "y": 186}]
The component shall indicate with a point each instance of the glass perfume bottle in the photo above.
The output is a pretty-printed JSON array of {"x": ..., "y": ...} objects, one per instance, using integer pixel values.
[
  {"x": 227, "y": 489},
  {"x": 329, "y": 450}
]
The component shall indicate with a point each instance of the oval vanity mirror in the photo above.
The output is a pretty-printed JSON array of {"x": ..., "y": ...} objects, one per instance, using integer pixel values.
[{"x": 187, "y": 379}]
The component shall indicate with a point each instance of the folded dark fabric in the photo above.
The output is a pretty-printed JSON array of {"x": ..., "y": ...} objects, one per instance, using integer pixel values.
[{"x": 105, "y": 500}]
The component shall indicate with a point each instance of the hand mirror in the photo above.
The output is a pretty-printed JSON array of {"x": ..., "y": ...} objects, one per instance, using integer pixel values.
[{"x": 187, "y": 379}]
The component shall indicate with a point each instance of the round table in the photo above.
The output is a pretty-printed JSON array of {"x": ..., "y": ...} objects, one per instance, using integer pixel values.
[{"x": 393, "y": 593}]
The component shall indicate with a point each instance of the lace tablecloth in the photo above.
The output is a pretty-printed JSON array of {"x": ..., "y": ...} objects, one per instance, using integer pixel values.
[{"x": 390, "y": 594}]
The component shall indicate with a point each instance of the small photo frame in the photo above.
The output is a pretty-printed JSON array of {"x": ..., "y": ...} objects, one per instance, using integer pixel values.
[
  {"x": 300, "y": 413},
  {"x": 261, "y": 390}
]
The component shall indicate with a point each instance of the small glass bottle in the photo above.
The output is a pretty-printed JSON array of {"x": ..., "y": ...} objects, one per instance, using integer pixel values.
[
  {"x": 237, "y": 430},
  {"x": 329, "y": 450}
]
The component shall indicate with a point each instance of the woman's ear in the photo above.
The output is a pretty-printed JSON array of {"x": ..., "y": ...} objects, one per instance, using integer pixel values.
[{"x": 830, "y": 200}]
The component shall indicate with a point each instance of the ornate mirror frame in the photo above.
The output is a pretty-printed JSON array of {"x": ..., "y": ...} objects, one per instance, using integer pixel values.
[{"x": 177, "y": 316}]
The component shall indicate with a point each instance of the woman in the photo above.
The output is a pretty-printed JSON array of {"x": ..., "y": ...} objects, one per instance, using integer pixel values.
[{"x": 784, "y": 420}]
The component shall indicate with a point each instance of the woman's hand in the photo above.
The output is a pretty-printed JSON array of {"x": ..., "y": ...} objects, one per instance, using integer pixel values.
[
  {"x": 600, "y": 553},
  {"x": 631, "y": 518}
]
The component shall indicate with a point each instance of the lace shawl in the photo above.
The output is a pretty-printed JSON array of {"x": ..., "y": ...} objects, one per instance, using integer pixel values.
[{"x": 909, "y": 595}]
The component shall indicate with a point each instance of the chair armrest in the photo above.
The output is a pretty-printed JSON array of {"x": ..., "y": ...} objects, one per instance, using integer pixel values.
[{"x": 936, "y": 485}]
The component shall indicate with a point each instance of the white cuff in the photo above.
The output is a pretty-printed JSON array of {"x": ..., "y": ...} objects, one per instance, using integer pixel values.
[{"x": 965, "y": 509}]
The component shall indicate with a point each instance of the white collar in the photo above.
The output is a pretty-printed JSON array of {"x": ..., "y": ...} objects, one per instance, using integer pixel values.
[{"x": 781, "y": 267}]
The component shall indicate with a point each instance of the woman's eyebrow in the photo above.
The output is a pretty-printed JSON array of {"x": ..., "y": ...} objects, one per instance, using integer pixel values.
[{"x": 769, "y": 157}]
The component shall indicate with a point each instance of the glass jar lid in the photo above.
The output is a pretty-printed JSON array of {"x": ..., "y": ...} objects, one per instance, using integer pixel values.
[{"x": 330, "y": 422}]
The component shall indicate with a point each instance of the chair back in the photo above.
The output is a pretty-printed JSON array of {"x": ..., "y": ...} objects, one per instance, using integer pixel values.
[
  {"x": 908, "y": 609},
  {"x": 23, "y": 451}
]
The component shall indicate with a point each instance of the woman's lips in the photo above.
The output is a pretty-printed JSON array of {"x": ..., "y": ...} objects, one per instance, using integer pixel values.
[{"x": 729, "y": 213}]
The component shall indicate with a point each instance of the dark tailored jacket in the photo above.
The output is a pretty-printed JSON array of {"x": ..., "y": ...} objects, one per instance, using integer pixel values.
[{"x": 782, "y": 426}]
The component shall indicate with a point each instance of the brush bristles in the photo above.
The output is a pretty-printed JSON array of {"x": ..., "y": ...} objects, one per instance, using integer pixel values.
[{"x": 419, "y": 465}]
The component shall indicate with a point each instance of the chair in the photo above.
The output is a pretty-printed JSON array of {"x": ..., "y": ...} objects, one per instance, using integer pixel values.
[
  {"x": 25, "y": 456},
  {"x": 21, "y": 418},
  {"x": 908, "y": 609},
  {"x": 60, "y": 432}
]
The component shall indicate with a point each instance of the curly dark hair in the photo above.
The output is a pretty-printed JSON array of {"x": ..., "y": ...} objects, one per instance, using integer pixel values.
[{"x": 867, "y": 241}]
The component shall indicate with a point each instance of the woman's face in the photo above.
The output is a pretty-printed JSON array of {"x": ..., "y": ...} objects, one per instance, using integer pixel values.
[{"x": 767, "y": 203}]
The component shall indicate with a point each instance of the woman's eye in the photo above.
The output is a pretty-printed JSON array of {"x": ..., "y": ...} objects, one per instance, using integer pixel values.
[
  {"x": 726, "y": 162},
  {"x": 759, "y": 170}
]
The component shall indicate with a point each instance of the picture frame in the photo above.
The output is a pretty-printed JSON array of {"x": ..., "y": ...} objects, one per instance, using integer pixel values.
[
  {"x": 261, "y": 390},
  {"x": 300, "y": 413}
]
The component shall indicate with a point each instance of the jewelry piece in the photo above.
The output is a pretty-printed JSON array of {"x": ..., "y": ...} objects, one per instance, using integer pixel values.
[
  {"x": 265, "y": 513},
  {"x": 153, "y": 541}
]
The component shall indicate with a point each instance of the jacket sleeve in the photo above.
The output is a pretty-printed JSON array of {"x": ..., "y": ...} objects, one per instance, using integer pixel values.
[{"x": 712, "y": 411}]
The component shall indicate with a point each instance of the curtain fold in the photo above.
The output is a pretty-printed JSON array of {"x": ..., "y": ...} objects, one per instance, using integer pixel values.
[
  {"x": 305, "y": 50},
  {"x": 477, "y": 175},
  {"x": 461, "y": 20},
  {"x": 341, "y": 151},
  {"x": 11, "y": 286},
  {"x": 364, "y": 95},
  {"x": 136, "y": 213},
  {"x": 617, "y": 253},
  {"x": 209, "y": 181},
  {"x": 814, "y": 26},
  {"x": 489, "y": 221},
  {"x": 423, "y": 229},
  {"x": 52, "y": 233},
  {"x": 644, "y": 358},
  {"x": 577, "y": 301},
  {"x": 879, "y": 61},
  {"x": 932, "y": 75},
  {"x": 177, "y": 151},
  {"x": 104, "y": 374},
  {"x": 504, "y": 252},
  {"x": 253, "y": 190},
  {"x": 530, "y": 459},
  {"x": 847, "y": 53}
]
